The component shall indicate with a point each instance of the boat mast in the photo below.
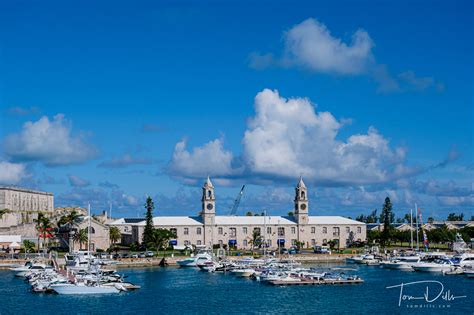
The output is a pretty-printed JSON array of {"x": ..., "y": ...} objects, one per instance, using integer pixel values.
[
  {"x": 89, "y": 237},
  {"x": 264, "y": 233},
  {"x": 411, "y": 229},
  {"x": 417, "y": 238}
]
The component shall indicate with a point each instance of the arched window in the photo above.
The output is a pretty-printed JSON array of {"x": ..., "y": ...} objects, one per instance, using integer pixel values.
[
  {"x": 92, "y": 230},
  {"x": 302, "y": 195},
  {"x": 209, "y": 194}
]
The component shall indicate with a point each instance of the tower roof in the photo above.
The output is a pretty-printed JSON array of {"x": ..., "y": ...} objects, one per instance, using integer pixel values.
[
  {"x": 301, "y": 183},
  {"x": 208, "y": 182}
]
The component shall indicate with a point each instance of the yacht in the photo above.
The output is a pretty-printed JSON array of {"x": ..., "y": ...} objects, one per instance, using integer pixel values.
[
  {"x": 436, "y": 265},
  {"x": 401, "y": 262},
  {"x": 83, "y": 288},
  {"x": 243, "y": 272},
  {"x": 200, "y": 258},
  {"x": 464, "y": 260}
]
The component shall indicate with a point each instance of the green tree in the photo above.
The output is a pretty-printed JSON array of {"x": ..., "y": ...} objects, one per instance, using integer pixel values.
[
  {"x": 455, "y": 217},
  {"x": 386, "y": 217},
  {"x": 4, "y": 211},
  {"x": 430, "y": 220},
  {"x": 373, "y": 236},
  {"x": 291, "y": 214},
  {"x": 148, "y": 233},
  {"x": 372, "y": 218},
  {"x": 161, "y": 237},
  {"x": 28, "y": 246},
  {"x": 114, "y": 234},
  {"x": 256, "y": 240},
  {"x": 249, "y": 214},
  {"x": 81, "y": 237},
  {"x": 43, "y": 226},
  {"x": 361, "y": 218},
  {"x": 69, "y": 218}
]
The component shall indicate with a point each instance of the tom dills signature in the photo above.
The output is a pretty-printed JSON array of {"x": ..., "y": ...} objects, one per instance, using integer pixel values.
[{"x": 433, "y": 291}]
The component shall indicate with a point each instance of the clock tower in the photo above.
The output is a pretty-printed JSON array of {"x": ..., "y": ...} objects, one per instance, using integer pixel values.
[
  {"x": 208, "y": 212},
  {"x": 301, "y": 203}
]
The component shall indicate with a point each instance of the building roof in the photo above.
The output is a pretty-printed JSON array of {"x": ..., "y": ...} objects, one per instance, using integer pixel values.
[
  {"x": 31, "y": 191},
  {"x": 252, "y": 220},
  {"x": 174, "y": 221},
  {"x": 331, "y": 220},
  {"x": 301, "y": 183},
  {"x": 208, "y": 183}
]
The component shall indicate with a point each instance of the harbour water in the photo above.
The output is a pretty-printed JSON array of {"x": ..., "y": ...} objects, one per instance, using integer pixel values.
[{"x": 175, "y": 290}]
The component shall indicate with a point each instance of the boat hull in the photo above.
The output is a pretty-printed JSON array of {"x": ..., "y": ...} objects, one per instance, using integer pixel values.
[{"x": 71, "y": 289}]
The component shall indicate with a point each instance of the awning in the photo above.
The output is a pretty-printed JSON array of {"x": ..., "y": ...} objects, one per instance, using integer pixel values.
[
  {"x": 180, "y": 247},
  {"x": 232, "y": 242},
  {"x": 173, "y": 242},
  {"x": 281, "y": 241},
  {"x": 14, "y": 245}
]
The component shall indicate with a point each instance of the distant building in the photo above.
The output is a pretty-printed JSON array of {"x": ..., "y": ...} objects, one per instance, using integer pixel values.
[
  {"x": 23, "y": 205},
  {"x": 451, "y": 225},
  {"x": 280, "y": 231}
]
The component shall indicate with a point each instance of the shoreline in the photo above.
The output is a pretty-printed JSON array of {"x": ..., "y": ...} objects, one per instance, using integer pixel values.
[{"x": 171, "y": 261}]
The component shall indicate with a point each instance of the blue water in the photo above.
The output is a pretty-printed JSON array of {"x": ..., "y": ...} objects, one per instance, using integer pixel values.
[{"x": 189, "y": 291}]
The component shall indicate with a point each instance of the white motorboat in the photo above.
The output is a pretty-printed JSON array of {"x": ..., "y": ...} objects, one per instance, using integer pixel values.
[
  {"x": 438, "y": 265},
  {"x": 464, "y": 260},
  {"x": 36, "y": 267},
  {"x": 200, "y": 258},
  {"x": 243, "y": 272},
  {"x": 401, "y": 263},
  {"x": 82, "y": 288},
  {"x": 360, "y": 259}
]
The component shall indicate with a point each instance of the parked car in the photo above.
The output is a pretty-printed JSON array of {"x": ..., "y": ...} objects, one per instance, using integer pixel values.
[
  {"x": 141, "y": 255},
  {"x": 283, "y": 250},
  {"x": 293, "y": 250},
  {"x": 134, "y": 256},
  {"x": 125, "y": 255},
  {"x": 322, "y": 250},
  {"x": 149, "y": 254},
  {"x": 116, "y": 256}
]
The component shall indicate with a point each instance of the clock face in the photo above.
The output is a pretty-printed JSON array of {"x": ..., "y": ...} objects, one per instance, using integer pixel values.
[
  {"x": 303, "y": 206},
  {"x": 209, "y": 206}
]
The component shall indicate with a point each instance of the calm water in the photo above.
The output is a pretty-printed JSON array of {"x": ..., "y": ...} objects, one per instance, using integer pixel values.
[{"x": 181, "y": 291}]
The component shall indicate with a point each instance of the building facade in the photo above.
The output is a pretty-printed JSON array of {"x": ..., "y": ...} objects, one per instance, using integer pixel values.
[
  {"x": 23, "y": 205},
  {"x": 240, "y": 231}
]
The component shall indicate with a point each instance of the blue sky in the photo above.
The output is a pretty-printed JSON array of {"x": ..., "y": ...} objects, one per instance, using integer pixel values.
[{"x": 114, "y": 101}]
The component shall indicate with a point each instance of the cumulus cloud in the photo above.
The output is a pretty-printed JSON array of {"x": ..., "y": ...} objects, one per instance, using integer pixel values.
[
  {"x": 11, "y": 173},
  {"x": 310, "y": 46},
  {"x": 287, "y": 138},
  {"x": 48, "y": 141},
  {"x": 210, "y": 159},
  {"x": 76, "y": 181},
  {"x": 125, "y": 161}
]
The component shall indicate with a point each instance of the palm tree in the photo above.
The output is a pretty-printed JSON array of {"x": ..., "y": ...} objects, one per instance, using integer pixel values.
[
  {"x": 256, "y": 240},
  {"x": 43, "y": 226},
  {"x": 81, "y": 237},
  {"x": 69, "y": 219},
  {"x": 114, "y": 234}
]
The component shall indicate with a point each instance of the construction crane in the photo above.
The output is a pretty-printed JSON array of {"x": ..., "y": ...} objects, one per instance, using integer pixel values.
[{"x": 237, "y": 201}]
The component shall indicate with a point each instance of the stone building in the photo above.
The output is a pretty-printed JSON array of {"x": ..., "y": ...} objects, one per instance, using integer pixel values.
[
  {"x": 280, "y": 231},
  {"x": 23, "y": 205}
]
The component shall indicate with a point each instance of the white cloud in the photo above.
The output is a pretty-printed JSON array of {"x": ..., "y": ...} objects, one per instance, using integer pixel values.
[
  {"x": 48, "y": 141},
  {"x": 76, "y": 181},
  {"x": 311, "y": 45},
  {"x": 11, "y": 173},
  {"x": 210, "y": 159},
  {"x": 287, "y": 138}
]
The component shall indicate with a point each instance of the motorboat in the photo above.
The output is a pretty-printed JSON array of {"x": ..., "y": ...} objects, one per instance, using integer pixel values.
[
  {"x": 401, "y": 262},
  {"x": 36, "y": 267},
  {"x": 83, "y": 288},
  {"x": 463, "y": 260},
  {"x": 437, "y": 265},
  {"x": 200, "y": 258},
  {"x": 243, "y": 272}
]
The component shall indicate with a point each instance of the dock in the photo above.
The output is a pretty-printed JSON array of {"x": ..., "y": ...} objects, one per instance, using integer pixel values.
[{"x": 317, "y": 282}]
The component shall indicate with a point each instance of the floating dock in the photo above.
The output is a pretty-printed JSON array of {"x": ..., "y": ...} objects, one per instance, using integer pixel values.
[{"x": 317, "y": 282}]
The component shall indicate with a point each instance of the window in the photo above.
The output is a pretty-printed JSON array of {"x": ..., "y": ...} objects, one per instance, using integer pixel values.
[
  {"x": 175, "y": 231},
  {"x": 269, "y": 243},
  {"x": 233, "y": 232},
  {"x": 269, "y": 230},
  {"x": 125, "y": 229},
  {"x": 348, "y": 229},
  {"x": 359, "y": 229},
  {"x": 257, "y": 230},
  {"x": 325, "y": 241},
  {"x": 198, "y": 231},
  {"x": 313, "y": 230},
  {"x": 198, "y": 242},
  {"x": 293, "y": 242},
  {"x": 325, "y": 230},
  {"x": 221, "y": 242},
  {"x": 92, "y": 230},
  {"x": 186, "y": 243},
  {"x": 335, "y": 231},
  {"x": 220, "y": 231},
  {"x": 313, "y": 242},
  {"x": 244, "y": 230},
  {"x": 245, "y": 243},
  {"x": 293, "y": 230},
  {"x": 281, "y": 231},
  {"x": 186, "y": 232}
]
